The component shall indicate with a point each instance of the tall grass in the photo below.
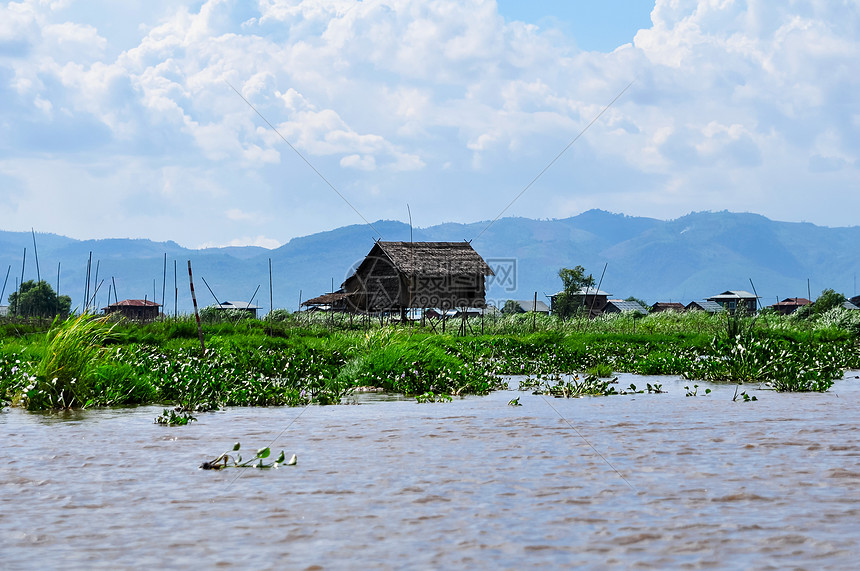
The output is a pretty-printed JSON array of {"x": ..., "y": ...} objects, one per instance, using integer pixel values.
[{"x": 64, "y": 377}]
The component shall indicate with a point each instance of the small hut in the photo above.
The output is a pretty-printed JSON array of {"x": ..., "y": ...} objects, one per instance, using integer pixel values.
[
  {"x": 667, "y": 306},
  {"x": 251, "y": 310},
  {"x": 336, "y": 301},
  {"x": 136, "y": 309},
  {"x": 395, "y": 276}
]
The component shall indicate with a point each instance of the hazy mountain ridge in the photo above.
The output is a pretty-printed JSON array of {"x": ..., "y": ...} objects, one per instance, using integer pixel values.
[{"x": 688, "y": 258}]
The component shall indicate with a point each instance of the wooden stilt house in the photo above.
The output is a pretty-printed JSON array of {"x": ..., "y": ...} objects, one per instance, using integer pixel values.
[{"x": 396, "y": 276}]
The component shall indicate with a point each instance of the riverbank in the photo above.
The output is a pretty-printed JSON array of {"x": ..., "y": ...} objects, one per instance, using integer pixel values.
[{"x": 321, "y": 359}]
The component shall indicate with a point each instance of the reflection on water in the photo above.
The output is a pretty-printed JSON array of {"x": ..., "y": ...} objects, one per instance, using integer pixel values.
[{"x": 471, "y": 483}]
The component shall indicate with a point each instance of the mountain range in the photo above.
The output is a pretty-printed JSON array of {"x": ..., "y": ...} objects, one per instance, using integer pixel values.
[{"x": 689, "y": 258}]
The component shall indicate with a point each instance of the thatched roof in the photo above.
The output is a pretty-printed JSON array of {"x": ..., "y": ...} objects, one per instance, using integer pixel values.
[
  {"x": 435, "y": 258},
  {"x": 135, "y": 303},
  {"x": 327, "y": 298}
]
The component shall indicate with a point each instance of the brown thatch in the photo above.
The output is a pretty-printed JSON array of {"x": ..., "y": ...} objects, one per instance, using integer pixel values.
[
  {"x": 435, "y": 258},
  {"x": 134, "y": 309},
  {"x": 399, "y": 275},
  {"x": 326, "y": 299}
]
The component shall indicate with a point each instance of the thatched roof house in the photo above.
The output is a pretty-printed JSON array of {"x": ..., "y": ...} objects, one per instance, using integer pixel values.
[
  {"x": 667, "y": 306},
  {"x": 137, "y": 309},
  {"x": 336, "y": 301},
  {"x": 395, "y": 276}
]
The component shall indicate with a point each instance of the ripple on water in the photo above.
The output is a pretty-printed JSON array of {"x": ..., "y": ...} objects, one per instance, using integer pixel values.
[{"x": 471, "y": 483}]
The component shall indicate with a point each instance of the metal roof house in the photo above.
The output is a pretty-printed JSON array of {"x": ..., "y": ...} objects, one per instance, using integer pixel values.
[
  {"x": 529, "y": 306},
  {"x": 395, "y": 276},
  {"x": 621, "y": 306},
  {"x": 734, "y": 299},
  {"x": 593, "y": 299},
  {"x": 703, "y": 305},
  {"x": 136, "y": 309}
]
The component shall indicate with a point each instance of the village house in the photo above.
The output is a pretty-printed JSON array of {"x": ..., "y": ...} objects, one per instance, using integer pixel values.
[
  {"x": 335, "y": 301},
  {"x": 593, "y": 299},
  {"x": 622, "y": 306},
  {"x": 734, "y": 299},
  {"x": 667, "y": 306},
  {"x": 529, "y": 306},
  {"x": 703, "y": 305},
  {"x": 136, "y": 309},
  {"x": 395, "y": 276},
  {"x": 790, "y": 305}
]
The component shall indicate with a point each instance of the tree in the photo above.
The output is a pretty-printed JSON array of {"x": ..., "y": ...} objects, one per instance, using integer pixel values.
[
  {"x": 38, "y": 300},
  {"x": 511, "y": 307},
  {"x": 571, "y": 300},
  {"x": 827, "y": 301}
]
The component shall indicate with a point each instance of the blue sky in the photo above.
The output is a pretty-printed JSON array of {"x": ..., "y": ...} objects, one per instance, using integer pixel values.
[{"x": 118, "y": 119}]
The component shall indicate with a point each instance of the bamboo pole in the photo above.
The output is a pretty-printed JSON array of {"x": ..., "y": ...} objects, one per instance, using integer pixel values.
[
  {"x": 21, "y": 283},
  {"x": 36, "y": 253},
  {"x": 196, "y": 314},
  {"x": 163, "y": 282}
]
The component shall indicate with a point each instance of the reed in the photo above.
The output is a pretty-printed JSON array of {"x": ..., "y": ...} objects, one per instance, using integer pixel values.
[{"x": 64, "y": 377}]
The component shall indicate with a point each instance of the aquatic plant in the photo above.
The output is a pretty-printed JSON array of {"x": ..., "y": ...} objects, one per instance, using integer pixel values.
[
  {"x": 433, "y": 397},
  {"x": 694, "y": 391},
  {"x": 174, "y": 417},
  {"x": 64, "y": 377},
  {"x": 227, "y": 460}
]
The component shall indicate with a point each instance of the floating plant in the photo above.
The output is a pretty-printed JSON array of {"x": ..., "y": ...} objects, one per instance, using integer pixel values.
[{"x": 227, "y": 460}]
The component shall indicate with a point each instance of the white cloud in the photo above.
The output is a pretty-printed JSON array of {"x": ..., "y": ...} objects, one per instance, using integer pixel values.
[{"x": 398, "y": 100}]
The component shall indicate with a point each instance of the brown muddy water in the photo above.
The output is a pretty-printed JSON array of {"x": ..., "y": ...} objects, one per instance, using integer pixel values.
[{"x": 650, "y": 481}]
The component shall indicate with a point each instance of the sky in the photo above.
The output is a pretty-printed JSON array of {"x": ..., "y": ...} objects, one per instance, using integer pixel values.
[{"x": 120, "y": 119}]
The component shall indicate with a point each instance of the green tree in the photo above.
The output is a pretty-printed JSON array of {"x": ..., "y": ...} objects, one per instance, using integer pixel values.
[
  {"x": 38, "y": 299},
  {"x": 511, "y": 307},
  {"x": 571, "y": 299},
  {"x": 827, "y": 301}
]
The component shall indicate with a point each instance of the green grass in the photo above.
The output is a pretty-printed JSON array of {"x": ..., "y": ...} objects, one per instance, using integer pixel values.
[{"x": 299, "y": 359}]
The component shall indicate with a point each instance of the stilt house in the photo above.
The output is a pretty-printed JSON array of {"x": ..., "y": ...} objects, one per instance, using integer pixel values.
[
  {"x": 136, "y": 309},
  {"x": 395, "y": 276}
]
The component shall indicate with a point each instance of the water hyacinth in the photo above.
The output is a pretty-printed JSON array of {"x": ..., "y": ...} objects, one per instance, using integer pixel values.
[{"x": 300, "y": 360}]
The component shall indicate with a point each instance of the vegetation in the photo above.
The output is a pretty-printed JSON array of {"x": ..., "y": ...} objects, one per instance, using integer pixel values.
[
  {"x": 38, "y": 299},
  {"x": 570, "y": 301},
  {"x": 299, "y": 359},
  {"x": 227, "y": 460}
]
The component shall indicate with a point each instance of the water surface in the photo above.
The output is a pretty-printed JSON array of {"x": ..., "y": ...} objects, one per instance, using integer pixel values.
[{"x": 646, "y": 480}]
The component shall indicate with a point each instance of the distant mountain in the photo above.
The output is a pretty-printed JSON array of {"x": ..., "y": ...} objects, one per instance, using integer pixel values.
[{"x": 689, "y": 258}]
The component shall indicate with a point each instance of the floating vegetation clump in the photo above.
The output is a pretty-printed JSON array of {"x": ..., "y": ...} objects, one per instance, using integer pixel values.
[
  {"x": 228, "y": 460},
  {"x": 174, "y": 417}
]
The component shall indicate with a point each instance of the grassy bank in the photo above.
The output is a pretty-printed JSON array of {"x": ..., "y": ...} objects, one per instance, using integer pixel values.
[{"x": 303, "y": 359}]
